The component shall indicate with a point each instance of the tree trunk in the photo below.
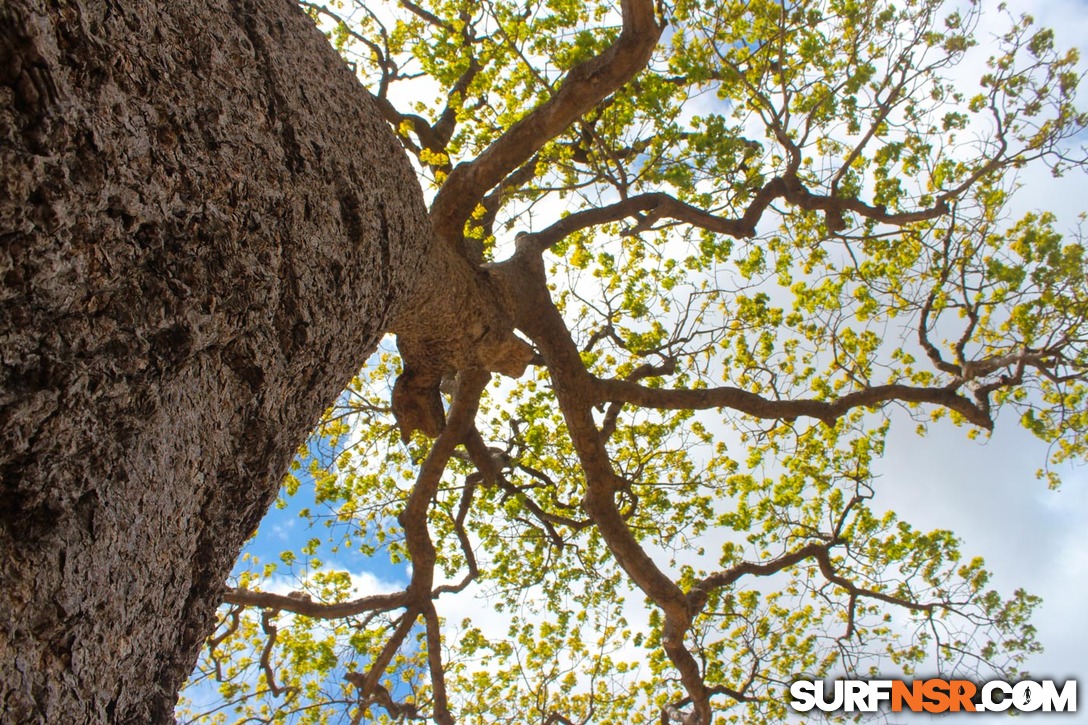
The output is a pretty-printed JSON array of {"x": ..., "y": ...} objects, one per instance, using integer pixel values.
[{"x": 204, "y": 229}]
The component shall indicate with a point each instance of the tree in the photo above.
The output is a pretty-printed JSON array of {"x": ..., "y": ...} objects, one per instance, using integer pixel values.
[
  {"x": 746, "y": 256},
  {"x": 205, "y": 228},
  {"x": 757, "y": 234}
]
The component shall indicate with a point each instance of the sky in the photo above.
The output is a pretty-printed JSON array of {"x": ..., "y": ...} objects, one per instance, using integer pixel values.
[{"x": 984, "y": 490}]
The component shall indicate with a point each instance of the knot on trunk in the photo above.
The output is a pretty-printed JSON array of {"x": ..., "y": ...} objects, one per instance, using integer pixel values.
[
  {"x": 461, "y": 320},
  {"x": 417, "y": 392}
]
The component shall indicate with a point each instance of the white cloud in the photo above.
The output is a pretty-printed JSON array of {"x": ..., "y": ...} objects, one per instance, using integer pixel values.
[{"x": 363, "y": 583}]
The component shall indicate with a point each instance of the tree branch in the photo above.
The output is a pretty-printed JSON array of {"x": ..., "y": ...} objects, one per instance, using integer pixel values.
[
  {"x": 316, "y": 610},
  {"x": 760, "y": 407},
  {"x": 585, "y": 85}
]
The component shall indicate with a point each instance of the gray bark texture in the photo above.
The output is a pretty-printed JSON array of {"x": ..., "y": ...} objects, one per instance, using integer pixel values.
[{"x": 205, "y": 228}]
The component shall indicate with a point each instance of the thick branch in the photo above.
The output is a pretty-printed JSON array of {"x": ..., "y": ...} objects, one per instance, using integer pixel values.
[
  {"x": 760, "y": 407},
  {"x": 698, "y": 594},
  {"x": 438, "y": 673},
  {"x": 797, "y": 194},
  {"x": 426, "y": 16},
  {"x": 316, "y": 610},
  {"x": 414, "y": 517},
  {"x": 585, "y": 86},
  {"x": 658, "y": 205},
  {"x": 371, "y": 681}
]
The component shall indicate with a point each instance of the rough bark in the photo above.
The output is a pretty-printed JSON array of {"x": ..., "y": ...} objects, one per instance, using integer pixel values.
[{"x": 204, "y": 228}]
